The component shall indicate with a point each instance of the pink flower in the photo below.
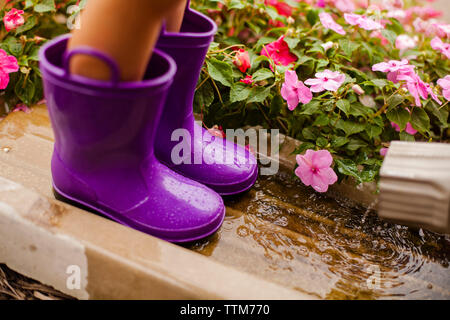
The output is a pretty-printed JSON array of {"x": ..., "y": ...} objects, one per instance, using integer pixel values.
[
  {"x": 13, "y": 19},
  {"x": 217, "y": 131},
  {"x": 405, "y": 42},
  {"x": 432, "y": 94},
  {"x": 345, "y": 5},
  {"x": 314, "y": 169},
  {"x": 8, "y": 64},
  {"x": 442, "y": 30},
  {"x": 358, "y": 90},
  {"x": 326, "y": 80},
  {"x": 362, "y": 21},
  {"x": 22, "y": 107},
  {"x": 327, "y": 21},
  {"x": 409, "y": 129},
  {"x": 391, "y": 66},
  {"x": 438, "y": 45},
  {"x": 320, "y": 3},
  {"x": 279, "y": 52},
  {"x": 282, "y": 7},
  {"x": 416, "y": 87},
  {"x": 247, "y": 80},
  {"x": 444, "y": 83},
  {"x": 377, "y": 34},
  {"x": 294, "y": 91},
  {"x": 383, "y": 151},
  {"x": 242, "y": 60}
]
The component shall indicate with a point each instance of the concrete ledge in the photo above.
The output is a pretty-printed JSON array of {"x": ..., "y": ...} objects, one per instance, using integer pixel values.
[{"x": 54, "y": 243}]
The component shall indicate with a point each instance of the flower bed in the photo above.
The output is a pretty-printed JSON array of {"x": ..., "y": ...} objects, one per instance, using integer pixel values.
[{"x": 343, "y": 77}]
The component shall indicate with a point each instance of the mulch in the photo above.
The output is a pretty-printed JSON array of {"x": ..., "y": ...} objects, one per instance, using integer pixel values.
[{"x": 14, "y": 286}]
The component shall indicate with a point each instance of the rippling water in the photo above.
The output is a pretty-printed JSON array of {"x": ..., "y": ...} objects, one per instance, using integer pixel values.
[{"x": 289, "y": 234}]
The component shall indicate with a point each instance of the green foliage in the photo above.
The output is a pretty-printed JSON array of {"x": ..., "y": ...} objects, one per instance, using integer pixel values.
[{"x": 352, "y": 127}]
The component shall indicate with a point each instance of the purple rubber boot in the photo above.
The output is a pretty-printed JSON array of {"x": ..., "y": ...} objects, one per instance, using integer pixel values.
[
  {"x": 103, "y": 156},
  {"x": 220, "y": 164}
]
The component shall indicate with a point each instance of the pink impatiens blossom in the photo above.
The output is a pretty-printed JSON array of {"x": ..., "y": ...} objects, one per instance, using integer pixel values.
[
  {"x": 409, "y": 129},
  {"x": 294, "y": 91},
  {"x": 314, "y": 169},
  {"x": 394, "y": 69},
  {"x": 8, "y": 64},
  {"x": 405, "y": 42},
  {"x": 279, "y": 52},
  {"x": 345, "y": 5},
  {"x": 247, "y": 80},
  {"x": 438, "y": 45},
  {"x": 390, "y": 66},
  {"x": 383, "y": 151},
  {"x": 327, "y": 21},
  {"x": 416, "y": 87},
  {"x": 442, "y": 30},
  {"x": 444, "y": 83},
  {"x": 362, "y": 21},
  {"x": 432, "y": 94},
  {"x": 326, "y": 80},
  {"x": 282, "y": 8},
  {"x": 242, "y": 60},
  {"x": 22, "y": 107},
  {"x": 13, "y": 19}
]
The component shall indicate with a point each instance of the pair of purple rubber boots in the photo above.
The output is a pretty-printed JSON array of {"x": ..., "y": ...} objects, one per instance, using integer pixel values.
[{"x": 113, "y": 140}]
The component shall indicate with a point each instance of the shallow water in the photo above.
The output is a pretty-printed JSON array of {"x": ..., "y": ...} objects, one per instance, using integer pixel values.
[{"x": 286, "y": 233}]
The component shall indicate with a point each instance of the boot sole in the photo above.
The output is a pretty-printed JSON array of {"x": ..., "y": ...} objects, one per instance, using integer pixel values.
[{"x": 61, "y": 196}]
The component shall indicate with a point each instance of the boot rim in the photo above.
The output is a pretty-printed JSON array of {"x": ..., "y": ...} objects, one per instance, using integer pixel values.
[
  {"x": 56, "y": 73},
  {"x": 183, "y": 39}
]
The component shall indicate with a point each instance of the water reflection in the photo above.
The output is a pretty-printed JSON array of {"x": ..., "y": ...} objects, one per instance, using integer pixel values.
[{"x": 315, "y": 244}]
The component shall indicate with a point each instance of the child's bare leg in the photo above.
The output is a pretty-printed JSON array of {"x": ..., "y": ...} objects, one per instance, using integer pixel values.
[
  {"x": 175, "y": 17},
  {"x": 125, "y": 30}
]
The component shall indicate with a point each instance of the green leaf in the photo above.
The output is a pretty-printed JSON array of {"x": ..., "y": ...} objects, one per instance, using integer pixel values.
[
  {"x": 389, "y": 35},
  {"x": 45, "y": 6},
  {"x": 239, "y": 92},
  {"x": 355, "y": 144},
  {"x": 220, "y": 71},
  {"x": 344, "y": 105},
  {"x": 420, "y": 120},
  {"x": 303, "y": 147},
  {"x": 399, "y": 116},
  {"x": 31, "y": 22},
  {"x": 350, "y": 127},
  {"x": 311, "y": 107},
  {"x": 25, "y": 93},
  {"x": 276, "y": 105},
  {"x": 321, "y": 142},
  {"x": 308, "y": 134},
  {"x": 312, "y": 16},
  {"x": 373, "y": 131},
  {"x": 322, "y": 63},
  {"x": 262, "y": 74},
  {"x": 368, "y": 175},
  {"x": 292, "y": 42},
  {"x": 395, "y": 100},
  {"x": 258, "y": 94},
  {"x": 338, "y": 142},
  {"x": 236, "y": 4},
  {"x": 380, "y": 83},
  {"x": 322, "y": 120},
  {"x": 348, "y": 167},
  {"x": 204, "y": 96},
  {"x": 348, "y": 46},
  {"x": 404, "y": 136}
]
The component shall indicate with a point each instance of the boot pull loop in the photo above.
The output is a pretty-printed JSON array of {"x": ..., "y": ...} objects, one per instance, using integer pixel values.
[{"x": 115, "y": 72}]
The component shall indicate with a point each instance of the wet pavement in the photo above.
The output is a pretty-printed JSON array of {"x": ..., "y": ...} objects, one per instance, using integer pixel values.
[{"x": 281, "y": 231}]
